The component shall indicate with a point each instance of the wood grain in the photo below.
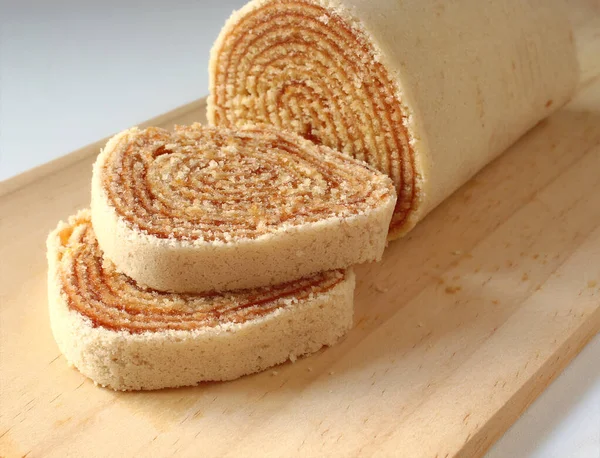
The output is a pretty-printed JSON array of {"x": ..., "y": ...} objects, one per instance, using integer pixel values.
[{"x": 457, "y": 330}]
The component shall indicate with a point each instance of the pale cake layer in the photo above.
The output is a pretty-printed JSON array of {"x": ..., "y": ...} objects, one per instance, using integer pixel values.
[
  {"x": 426, "y": 92},
  {"x": 128, "y": 337},
  {"x": 209, "y": 209}
]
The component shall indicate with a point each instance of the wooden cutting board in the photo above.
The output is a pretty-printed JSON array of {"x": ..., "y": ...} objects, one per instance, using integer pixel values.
[{"x": 457, "y": 330}]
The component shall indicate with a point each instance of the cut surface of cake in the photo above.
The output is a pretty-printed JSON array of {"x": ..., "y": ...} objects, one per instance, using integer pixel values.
[{"x": 211, "y": 209}]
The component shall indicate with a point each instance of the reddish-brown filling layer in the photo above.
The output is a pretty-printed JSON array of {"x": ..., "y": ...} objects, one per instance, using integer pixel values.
[
  {"x": 302, "y": 67},
  {"x": 113, "y": 301}
]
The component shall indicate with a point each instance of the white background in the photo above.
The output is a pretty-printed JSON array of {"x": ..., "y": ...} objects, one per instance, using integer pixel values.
[{"x": 72, "y": 72}]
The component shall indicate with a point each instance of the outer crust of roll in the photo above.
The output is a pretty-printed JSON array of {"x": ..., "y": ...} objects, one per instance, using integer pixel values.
[
  {"x": 472, "y": 76},
  {"x": 469, "y": 96},
  {"x": 172, "y": 358},
  {"x": 197, "y": 266}
]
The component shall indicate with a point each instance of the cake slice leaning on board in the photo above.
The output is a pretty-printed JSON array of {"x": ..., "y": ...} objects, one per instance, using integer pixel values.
[
  {"x": 212, "y": 209},
  {"x": 428, "y": 92},
  {"x": 127, "y": 337}
]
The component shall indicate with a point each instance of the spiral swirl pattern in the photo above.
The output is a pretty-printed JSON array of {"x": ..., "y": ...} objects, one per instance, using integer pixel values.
[
  {"x": 93, "y": 287},
  {"x": 297, "y": 65},
  {"x": 215, "y": 184}
]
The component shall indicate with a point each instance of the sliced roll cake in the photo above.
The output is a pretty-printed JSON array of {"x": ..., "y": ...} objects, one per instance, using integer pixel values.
[
  {"x": 128, "y": 337},
  {"x": 428, "y": 92},
  {"x": 211, "y": 209}
]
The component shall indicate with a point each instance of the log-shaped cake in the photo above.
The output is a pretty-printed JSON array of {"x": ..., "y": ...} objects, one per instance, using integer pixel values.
[
  {"x": 128, "y": 337},
  {"x": 426, "y": 91},
  {"x": 212, "y": 209}
]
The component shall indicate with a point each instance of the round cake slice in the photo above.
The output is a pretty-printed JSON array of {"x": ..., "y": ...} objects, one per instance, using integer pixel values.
[
  {"x": 128, "y": 337},
  {"x": 212, "y": 209}
]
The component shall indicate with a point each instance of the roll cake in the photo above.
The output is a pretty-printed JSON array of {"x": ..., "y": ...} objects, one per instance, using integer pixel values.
[
  {"x": 211, "y": 209},
  {"x": 128, "y": 337},
  {"x": 426, "y": 91}
]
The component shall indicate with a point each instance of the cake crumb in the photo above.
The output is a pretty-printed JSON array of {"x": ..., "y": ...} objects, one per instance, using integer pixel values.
[
  {"x": 379, "y": 289},
  {"x": 453, "y": 289},
  {"x": 274, "y": 373}
]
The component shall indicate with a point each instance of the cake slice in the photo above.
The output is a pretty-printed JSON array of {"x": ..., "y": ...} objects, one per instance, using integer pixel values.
[
  {"x": 212, "y": 209},
  {"x": 127, "y": 337}
]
